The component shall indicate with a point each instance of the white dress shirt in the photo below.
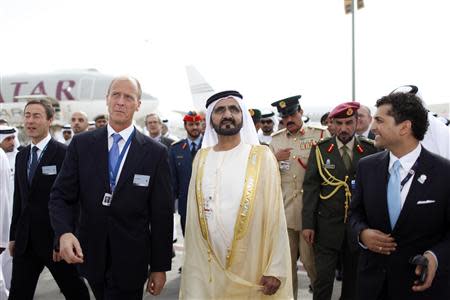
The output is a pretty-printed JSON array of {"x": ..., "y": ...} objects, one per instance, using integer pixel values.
[{"x": 406, "y": 163}]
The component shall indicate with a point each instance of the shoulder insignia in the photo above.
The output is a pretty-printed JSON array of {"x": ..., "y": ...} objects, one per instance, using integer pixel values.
[
  {"x": 279, "y": 131},
  {"x": 317, "y": 127},
  {"x": 177, "y": 142},
  {"x": 366, "y": 140},
  {"x": 324, "y": 140}
]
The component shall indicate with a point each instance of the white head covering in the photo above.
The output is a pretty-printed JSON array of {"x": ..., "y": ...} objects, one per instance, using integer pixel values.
[
  {"x": 6, "y": 131},
  {"x": 248, "y": 131}
]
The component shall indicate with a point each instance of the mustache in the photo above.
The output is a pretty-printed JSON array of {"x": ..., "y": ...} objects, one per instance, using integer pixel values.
[
  {"x": 290, "y": 123},
  {"x": 224, "y": 120}
]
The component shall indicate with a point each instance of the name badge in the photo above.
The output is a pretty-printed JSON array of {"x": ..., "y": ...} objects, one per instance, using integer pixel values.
[
  {"x": 107, "y": 198},
  {"x": 49, "y": 170},
  {"x": 141, "y": 180},
  {"x": 329, "y": 166},
  {"x": 285, "y": 165}
]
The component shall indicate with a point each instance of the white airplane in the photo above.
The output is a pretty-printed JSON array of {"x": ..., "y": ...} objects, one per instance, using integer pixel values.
[
  {"x": 73, "y": 90},
  {"x": 201, "y": 90}
]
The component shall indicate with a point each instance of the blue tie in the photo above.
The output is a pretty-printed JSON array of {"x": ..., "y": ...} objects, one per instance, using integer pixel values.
[
  {"x": 393, "y": 193},
  {"x": 33, "y": 164},
  {"x": 114, "y": 151}
]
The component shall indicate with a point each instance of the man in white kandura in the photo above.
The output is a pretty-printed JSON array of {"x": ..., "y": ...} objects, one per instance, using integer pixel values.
[{"x": 236, "y": 242}]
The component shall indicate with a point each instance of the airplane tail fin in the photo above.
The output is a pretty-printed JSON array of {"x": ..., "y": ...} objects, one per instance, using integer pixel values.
[{"x": 200, "y": 89}]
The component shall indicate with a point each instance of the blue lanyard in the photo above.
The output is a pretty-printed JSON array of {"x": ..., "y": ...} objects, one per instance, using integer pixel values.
[
  {"x": 39, "y": 158},
  {"x": 113, "y": 173}
]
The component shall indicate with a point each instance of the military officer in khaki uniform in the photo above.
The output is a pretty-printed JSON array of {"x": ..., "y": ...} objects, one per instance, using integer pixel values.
[
  {"x": 291, "y": 147},
  {"x": 328, "y": 184}
]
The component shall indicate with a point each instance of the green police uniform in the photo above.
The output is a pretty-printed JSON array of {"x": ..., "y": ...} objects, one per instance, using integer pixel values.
[{"x": 326, "y": 199}]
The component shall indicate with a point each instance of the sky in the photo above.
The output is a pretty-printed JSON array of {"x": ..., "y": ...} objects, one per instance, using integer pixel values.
[{"x": 267, "y": 50}]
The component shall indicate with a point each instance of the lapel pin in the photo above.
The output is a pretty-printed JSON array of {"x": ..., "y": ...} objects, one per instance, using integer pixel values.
[{"x": 422, "y": 178}]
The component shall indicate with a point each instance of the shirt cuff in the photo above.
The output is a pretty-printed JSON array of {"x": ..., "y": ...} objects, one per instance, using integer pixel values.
[
  {"x": 435, "y": 257},
  {"x": 361, "y": 244}
]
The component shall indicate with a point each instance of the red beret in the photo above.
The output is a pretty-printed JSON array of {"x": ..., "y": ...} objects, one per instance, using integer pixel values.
[
  {"x": 192, "y": 116},
  {"x": 344, "y": 110}
]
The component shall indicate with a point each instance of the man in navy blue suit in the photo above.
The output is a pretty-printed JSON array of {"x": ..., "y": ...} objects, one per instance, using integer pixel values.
[
  {"x": 31, "y": 236},
  {"x": 120, "y": 178},
  {"x": 401, "y": 207},
  {"x": 181, "y": 156}
]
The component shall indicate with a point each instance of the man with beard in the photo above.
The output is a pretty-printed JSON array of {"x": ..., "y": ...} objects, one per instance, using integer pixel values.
[
  {"x": 181, "y": 156},
  {"x": 291, "y": 147},
  {"x": 267, "y": 124},
  {"x": 327, "y": 189},
  {"x": 236, "y": 243},
  {"x": 79, "y": 122}
]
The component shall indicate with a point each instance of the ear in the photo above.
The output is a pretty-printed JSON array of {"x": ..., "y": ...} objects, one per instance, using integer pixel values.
[
  {"x": 405, "y": 127},
  {"x": 139, "y": 105}
]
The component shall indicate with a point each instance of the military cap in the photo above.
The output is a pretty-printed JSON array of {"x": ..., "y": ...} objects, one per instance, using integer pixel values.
[
  {"x": 192, "y": 116},
  {"x": 287, "y": 106},
  {"x": 344, "y": 110},
  {"x": 100, "y": 117},
  {"x": 221, "y": 95},
  {"x": 267, "y": 115},
  {"x": 255, "y": 114}
]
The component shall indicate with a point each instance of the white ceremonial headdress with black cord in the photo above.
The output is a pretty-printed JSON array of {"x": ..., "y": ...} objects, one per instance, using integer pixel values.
[{"x": 248, "y": 132}]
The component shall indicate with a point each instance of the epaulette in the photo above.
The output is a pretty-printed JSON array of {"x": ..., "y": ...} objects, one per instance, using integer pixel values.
[
  {"x": 324, "y": 140},
  {"x": 366, "y": 140},
  {"x": 318, "y": 127},
  {"x": 177, "y": 142},
  {"x": 278, "y": 132}
]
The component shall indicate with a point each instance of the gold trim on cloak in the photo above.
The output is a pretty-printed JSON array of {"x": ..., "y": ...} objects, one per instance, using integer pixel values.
[{"x": 246, "y": 206}]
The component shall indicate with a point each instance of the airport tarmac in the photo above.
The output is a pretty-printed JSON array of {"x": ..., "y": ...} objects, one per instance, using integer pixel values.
[{"x": 48, "y": 290}]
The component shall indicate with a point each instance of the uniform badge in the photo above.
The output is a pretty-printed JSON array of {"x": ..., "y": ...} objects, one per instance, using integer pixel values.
[
  {"x": 282, "y": 104},
  {"x": 349, "y": 112},
  {"x": 328, "y": 165},
  {"x": 359, "y": 148},
  {"x": 252, "y": 112},
  {"x": 330, "y": 148},
  {"x": 184, "y": 146}
]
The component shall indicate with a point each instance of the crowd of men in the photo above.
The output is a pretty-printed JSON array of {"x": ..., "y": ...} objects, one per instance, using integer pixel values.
[{"x": 358, "y": 198}]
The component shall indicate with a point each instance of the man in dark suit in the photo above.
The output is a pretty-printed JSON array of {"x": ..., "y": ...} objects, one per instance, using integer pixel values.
[
  {"x": 364, "y": 121},
  {"x": 154, "y": 126},
  {"x": 401, "y": 207},
  {"x": 31, "y": 236},
  {"x": 121, "y": 180},
  {"x": 327, "y": 190},
  {"x": 181, "y": 156}
]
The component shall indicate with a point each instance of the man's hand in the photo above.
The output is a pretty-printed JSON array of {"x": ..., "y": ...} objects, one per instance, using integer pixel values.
[
  {"x": 377, "y": 241},
  {"x": 155, "y": 283},
  {"x": 432, "y": 267},
  {"x": 11, "y": 248},
  {"x": 70, "y": 249},
  {"x": 270, "y": 285},
  {"x": 56, "y": 256},
  {"x": 308, "y": 234},
  {"x": 283, "y": 154}
]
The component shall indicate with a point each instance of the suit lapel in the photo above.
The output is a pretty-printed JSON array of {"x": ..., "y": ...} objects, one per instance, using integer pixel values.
[
  {"x": 22, "y": 167},
  {"x": 336, "y": 159},
  {"x": 133, "y": 159},
  {"x": 381, "y": 192},
  {"x": 47, "y": 157},
  {"x": 100, "y": 145},
  {"x": 416, "y": 189}
]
